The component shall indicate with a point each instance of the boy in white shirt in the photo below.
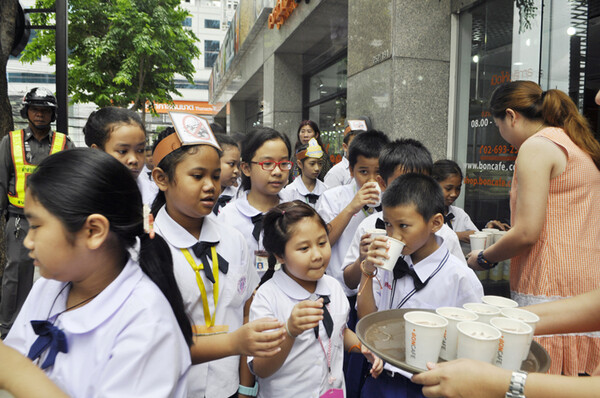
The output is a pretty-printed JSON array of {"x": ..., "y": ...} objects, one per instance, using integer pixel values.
[
  {"x": 399, "y": 157},
  {"x": 426, "y": 274},
  {"x": 339, "y": 174}
]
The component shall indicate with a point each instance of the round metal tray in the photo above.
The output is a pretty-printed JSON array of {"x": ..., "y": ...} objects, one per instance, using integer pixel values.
[{"x": 383, "y": 333}]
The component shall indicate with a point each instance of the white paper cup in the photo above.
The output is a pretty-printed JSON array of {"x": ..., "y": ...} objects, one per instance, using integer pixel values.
[
  {"x": 499, "y": 301},
  {"x": 524, "y": 316},
  {"x": 453, "y": 315},
  {"x": 477, "y": 241},
  {"x": 376, "y": 232},
  {"x": 477, "y": 341},
  {"x": 498, "y": 235},
  {"x": 485, "y": 312},
  {"x": 513, "y": 342},
  {"x": 423, "y": 333},
  {"x": 490, "y": 230},
  {"x": 376, "y": 185},
  {"x": 394, "y": 251}
]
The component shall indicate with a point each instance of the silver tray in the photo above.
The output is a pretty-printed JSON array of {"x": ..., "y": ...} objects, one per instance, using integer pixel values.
[{"x": 383, "y": 333}]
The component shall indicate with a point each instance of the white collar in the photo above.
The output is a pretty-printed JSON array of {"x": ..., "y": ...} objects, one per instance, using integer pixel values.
[
  {"x": 296, "y": 292},
  {"x": 430, "y": 263},
  {"x": 97, "y": 311},
  {"x": 245, "y": 207},
  {"x": 178, "y": 237}
]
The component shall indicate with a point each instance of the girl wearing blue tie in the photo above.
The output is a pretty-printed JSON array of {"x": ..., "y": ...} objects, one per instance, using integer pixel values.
[
  {"x": 106, "y": 318},
  {"x": 212, "y": 266},
  {"x": 312, "y": 305}
]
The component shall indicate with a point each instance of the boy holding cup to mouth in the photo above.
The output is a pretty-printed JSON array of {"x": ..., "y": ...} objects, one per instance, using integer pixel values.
[{"x": 426, "y": 274}]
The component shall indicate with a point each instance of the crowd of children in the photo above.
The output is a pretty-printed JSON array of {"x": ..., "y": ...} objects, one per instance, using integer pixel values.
[{"x": 237, "y": 283}]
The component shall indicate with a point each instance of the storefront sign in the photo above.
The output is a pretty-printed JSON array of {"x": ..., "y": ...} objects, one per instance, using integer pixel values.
[
  {"x": 281, "y": 13},
  {"x": 195, "y": 107}
]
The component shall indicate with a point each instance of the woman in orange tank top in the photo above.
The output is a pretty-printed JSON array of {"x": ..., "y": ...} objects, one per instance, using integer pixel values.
[{"x": 554, "y": 242}]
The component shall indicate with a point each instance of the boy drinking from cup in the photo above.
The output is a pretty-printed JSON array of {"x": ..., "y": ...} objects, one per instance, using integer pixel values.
[{"x": 426, "y": 275}]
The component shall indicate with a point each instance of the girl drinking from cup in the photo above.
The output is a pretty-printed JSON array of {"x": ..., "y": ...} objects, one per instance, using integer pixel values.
[
  {"x": 265, "y": 168},
  {"x": 312, "y": 305},
  {"x": 106, "y": 318},
  {"x": 210, "y": 263}
]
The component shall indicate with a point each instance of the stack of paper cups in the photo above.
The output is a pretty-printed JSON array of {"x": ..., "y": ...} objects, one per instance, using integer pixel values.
[{"x": 478, "y": 242}]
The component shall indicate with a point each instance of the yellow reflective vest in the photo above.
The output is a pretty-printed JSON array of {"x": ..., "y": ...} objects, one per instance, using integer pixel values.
[{"x": 22, "y": 168}]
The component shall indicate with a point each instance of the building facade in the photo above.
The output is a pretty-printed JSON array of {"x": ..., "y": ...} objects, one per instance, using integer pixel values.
[
  {"x": 209, "y": 20},
  {"x": 418, "y": 69}
]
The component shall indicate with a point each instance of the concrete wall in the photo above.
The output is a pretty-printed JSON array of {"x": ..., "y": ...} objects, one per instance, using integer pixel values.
[{"x": 398, "y": 67}]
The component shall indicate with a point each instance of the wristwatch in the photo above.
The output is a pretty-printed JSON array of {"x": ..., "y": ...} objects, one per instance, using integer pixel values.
[
  {"x": 483, "y": 262},
  {"x": 516, "y": 389}
]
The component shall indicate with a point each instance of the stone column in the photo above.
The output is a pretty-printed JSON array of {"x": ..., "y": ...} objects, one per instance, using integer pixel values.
[
  {"x": 398, "y": 68},
  {"x": 236, "y": 120},
  {"x": 282, "y": 93}
]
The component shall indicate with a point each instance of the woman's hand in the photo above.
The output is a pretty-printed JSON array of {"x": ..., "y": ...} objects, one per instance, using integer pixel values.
[
  {"x": 472, "y": 261},
  {"x": 464, "y": 378},
  {"x": 498, "y": 225}
]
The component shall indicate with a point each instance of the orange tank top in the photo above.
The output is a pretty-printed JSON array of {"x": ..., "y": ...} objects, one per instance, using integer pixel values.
[{"x": 564, "y": 261}]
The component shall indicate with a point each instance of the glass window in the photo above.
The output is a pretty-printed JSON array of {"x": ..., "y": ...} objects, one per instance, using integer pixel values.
[
  {"x": 498, "y": 42},
  {"x": 212, "y": 23},
  {"x": 329, "y": 81},
  {"x": 187, "y": 21},
  {"x": 330, "y": 116},
  {"x": 211, "y": 51}
]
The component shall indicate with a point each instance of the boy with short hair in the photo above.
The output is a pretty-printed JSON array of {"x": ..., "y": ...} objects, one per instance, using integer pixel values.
[
  {"x": 344, "y": 207},
  {"x": 426, "y": 274},
  {"x": 307, "y": 187},
  {"x": 339, "y": 174},
  {"x": 398, "y": 157}
]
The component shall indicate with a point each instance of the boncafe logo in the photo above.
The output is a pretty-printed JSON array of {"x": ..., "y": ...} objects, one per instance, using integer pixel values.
[
  {"x": 500, "y": 353},
  {"x": 413, "y": 344}
]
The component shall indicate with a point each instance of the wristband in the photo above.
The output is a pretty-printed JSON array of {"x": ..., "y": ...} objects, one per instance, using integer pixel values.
[
  {"x": 516, "y": 389},
  {"x": 288, "y": 330},
  {"x": 365, "y": 273},
  {"x": 359, "y": 346},
  {"x": 249, "y": 391},
  {"x": 483, "y": 262}
]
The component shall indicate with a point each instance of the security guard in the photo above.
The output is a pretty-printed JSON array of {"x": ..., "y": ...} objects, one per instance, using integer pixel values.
[{"x": 20, "y": 151}]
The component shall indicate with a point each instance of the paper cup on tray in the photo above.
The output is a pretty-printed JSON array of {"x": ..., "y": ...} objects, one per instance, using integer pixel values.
[
  {"x": 512, "y": 343},
  {"x": 424, "y": 332},
  {"x": 477, "y": 341},
  {"x": 453, "y": 315}
]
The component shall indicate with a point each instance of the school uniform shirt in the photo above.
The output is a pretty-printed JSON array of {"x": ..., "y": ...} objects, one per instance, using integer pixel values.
[
  {"x": 304, "y": 372},
  {"x": 298, "y": 191},
  {"x": 330, "y": 204},
  {"x": 450, "y": 240},
  {"x": 238, "y": 215},
  {"x": 147, "y": 186},
  {"x": 450, "y": 284},
  {"x": 461, "y": 221},
  {"x": 124, "y": 343},
  {"x": 230, "y": 192},
  {"x": 219, "y": 378},
  {"x": 339, "y": 174}
]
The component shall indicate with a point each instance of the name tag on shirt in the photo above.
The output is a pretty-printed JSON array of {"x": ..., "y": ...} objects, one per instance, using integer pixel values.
[{"x": 261, "y": 261}]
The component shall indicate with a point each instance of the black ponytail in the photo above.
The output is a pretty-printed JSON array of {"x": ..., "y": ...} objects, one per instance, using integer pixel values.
[{"x": 79, "y": 182}]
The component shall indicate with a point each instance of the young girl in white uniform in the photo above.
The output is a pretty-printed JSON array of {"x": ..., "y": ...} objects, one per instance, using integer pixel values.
[
  {"x": 449, "y": 175},
  {"x": 312, "y": 305},
  {"x": 211, "y": 264},
  {"x": 230, "y": 172},
  {"x": 308, "y": 188},
  {"x": 265, "y": 167},
  {"x": 106, "y": 318},
  {"x": 121, "y": 133}
]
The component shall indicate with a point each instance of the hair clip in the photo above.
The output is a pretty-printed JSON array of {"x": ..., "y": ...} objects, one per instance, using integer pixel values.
[{"x": 283, "y": 212}]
